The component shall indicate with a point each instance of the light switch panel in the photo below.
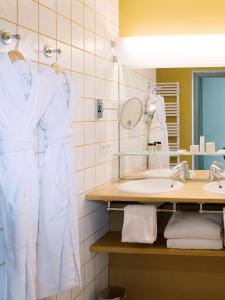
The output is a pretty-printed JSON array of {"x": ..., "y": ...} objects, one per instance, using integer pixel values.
[{"x": 99, "y": 109}]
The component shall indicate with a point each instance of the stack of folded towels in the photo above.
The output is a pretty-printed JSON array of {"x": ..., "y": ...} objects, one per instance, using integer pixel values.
[{"x": 192, "y": 230}]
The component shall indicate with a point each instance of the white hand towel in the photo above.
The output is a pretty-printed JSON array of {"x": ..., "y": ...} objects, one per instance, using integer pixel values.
[
  {"x": 194, "y": 225},
  {"x": 195, "y": 244},
  {"x": 140, "y": 224}
]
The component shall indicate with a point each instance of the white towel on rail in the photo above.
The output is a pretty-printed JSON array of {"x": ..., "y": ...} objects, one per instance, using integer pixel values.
[
  {"x": 194, "y": 225},
  {"x": 195, "y": 244},
  {"x": 140, "y": 224}
]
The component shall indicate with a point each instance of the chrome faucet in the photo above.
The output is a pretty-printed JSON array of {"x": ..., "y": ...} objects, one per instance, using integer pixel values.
[
  {"x": 181, "y": 171},
  {"x": 216, "y": 171}
]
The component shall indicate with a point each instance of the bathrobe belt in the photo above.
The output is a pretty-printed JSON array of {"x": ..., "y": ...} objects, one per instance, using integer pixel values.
[
  {"x": 16, "y": 142},
  {"x": 59, "y": 136}
]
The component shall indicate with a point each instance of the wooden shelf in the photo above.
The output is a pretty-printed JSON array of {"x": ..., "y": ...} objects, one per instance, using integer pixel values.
[{"x": 111, "y": 243}]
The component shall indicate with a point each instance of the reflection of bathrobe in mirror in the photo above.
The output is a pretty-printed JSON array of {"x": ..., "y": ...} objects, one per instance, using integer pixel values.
[
  {"x": 21, "y": 106},
  {"x": 58, "y": 242},
  {"x": 158, "y": 132}
]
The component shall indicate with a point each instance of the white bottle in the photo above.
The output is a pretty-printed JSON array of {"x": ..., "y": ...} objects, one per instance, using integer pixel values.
[
  {"x": 150, "y": 147},
  {"x": 202, "y": 144},
  {"x": 210, "y": 147},
  {"x": 194, "y": 148}
]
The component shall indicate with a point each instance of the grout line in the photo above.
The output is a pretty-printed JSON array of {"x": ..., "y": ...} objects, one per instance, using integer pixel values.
[
  {"x": 70, "y": 19},
  {"x": 93, "y": 166},
  {"x": 17, "y": 15}
]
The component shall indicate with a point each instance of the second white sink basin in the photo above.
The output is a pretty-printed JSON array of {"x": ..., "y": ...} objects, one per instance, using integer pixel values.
[
  {"x": 150, "y": 186},
  {"x": 216, "y": 187}
]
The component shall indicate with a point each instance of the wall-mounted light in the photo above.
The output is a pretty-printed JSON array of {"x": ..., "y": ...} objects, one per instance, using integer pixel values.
[{"x": 171, "y": 51}]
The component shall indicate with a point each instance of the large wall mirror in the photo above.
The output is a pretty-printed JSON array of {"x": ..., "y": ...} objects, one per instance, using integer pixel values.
[{"x": 200, "y": 110}]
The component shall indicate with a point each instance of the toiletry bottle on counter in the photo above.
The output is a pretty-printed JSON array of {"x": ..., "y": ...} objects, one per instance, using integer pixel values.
[
  {"x": 202, "y": 144},
  {"x": 194, "y": 148},
  {"x": 210, "y": 147},
  {"x": 158, "y": 146},
  {"x": 150, "y": 147}
]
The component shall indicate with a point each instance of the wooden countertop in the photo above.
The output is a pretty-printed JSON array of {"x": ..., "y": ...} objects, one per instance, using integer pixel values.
[{"x": 192, "y": 192}]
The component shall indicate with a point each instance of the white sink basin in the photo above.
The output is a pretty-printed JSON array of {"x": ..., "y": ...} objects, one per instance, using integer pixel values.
[
  {"x": 163, "y": 173},
  {"x": 216, "y": 187},
  {"x": 150, "y": 186},
  {"x": 159, "y": 173}
]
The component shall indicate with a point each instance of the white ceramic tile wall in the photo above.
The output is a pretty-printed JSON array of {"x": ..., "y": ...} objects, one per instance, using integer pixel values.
[
  {"x": 83, "y": 30},
  {"x": 133, "y": 83}
]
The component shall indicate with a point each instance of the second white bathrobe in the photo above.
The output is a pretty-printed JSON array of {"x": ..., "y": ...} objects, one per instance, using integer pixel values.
[
  {"x": 58, "y": 242},
  {"x": 21, "y": 106},
  {"x": 158, "y": 132}
]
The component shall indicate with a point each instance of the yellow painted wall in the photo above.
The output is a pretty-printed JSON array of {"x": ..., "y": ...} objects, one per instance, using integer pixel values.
[
  {"x": 184, "y": 77},
  {"x": 146, "y": 17}
]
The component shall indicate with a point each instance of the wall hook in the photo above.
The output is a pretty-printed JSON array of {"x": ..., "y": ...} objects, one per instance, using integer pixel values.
[
  {"x": 49, "y": 51},
  {"x": 7, "y": 37}
]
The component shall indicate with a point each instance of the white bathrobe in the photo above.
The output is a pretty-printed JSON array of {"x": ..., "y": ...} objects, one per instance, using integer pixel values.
[
  {"x": 20, "y": 111},
  {"x": 58, "y": 242},
  {"x": 158, "y": 132}
]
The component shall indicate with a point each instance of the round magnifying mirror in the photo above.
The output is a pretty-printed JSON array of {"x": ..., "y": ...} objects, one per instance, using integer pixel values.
[{"x": 130, "y": 113}]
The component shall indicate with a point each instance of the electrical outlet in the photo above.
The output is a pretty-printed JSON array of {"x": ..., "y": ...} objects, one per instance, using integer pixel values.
[
  {"x": 109, "y": 147},
  {"x": 103, "y": 148}
]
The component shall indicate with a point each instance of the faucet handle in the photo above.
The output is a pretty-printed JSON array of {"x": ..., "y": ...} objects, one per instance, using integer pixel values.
[
  {"x": 218, "y": 164},
  {"x": 183, "y": 168},
  {"x": 179, "y": 173},
  {"x": 216, "y": 171},
  {"x": 186, "y": 169}
]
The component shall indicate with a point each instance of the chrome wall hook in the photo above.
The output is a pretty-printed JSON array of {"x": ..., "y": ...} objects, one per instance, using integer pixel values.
[
  {"x": 7, "y": 37},
  {"x": 49, "y": 51}
]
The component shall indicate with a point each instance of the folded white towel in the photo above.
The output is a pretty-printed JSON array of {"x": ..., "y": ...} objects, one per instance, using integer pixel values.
[
  {"x": 195, "y": 244},
  {"x": 140, "y": 224},
  {"x": 194, "y": 225}
]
